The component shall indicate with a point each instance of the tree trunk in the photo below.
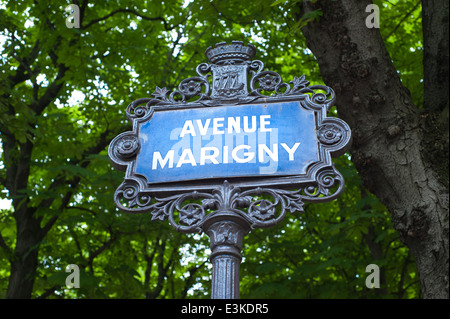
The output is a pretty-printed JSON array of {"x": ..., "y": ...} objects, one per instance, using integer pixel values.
[
  {"x": 392, "y": 138},
  {"x": 25, "y": 260},
  {"x": 29, "y": 236}
]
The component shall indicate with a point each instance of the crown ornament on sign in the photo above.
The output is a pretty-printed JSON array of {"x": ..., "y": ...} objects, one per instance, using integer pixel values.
[{"x": 236, "y": 52}]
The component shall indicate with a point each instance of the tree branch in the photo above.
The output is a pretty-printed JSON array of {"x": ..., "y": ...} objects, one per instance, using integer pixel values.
[
  {"x": 226, "y": 17},
  {"x": 99, "y": 250},
  {"x": 83, "y": 209},
  {"x": 103, "y": 141},
  {"x": 166, "y": 25},
  {"x": 5, "y": 246},
  {"x": 402, "y": 20},
  {"x": 49, "y": 292},
  {"x": 149, "y": 260},
  {"x": 52, "y": 91},
  {"x": 190, "y": 279},
  {"x": 24, "y": 71},
  {"x": 400, "y": 288}
]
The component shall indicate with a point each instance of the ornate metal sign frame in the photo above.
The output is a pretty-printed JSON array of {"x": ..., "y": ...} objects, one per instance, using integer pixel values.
[{"x": 227, "y": 209}]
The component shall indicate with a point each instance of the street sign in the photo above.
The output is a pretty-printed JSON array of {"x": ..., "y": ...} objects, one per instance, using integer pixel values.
[
  {"x": 266, "y": 139},
  {"x": 229, "y": 154}
]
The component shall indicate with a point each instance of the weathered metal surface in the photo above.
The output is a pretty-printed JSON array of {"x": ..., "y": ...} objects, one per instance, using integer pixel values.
[
  {"x": 197, "y": 174},
  {"x": 226, "y": 244}
]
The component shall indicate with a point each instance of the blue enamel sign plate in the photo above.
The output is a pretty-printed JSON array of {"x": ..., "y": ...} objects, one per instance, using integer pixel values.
[{"x": 266, "y": 139}]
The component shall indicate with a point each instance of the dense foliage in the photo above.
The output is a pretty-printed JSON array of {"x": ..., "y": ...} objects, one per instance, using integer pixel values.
[{"x": 63, "y": 94}]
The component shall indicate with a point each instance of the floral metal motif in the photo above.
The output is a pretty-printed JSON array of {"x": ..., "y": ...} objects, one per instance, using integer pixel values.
[
  {"x": 329, "y": 134},
  {"x": 269, "y": 82},
  {"x": 225, "y": 233},
  {"x": 191, "y": 88},
  {"x": 128, "y": 146}
]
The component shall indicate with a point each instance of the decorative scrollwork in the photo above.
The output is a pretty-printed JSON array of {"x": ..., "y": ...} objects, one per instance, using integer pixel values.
[
  {"x": 230, "y": 66},
  {"x": 265, "y": 207},
  {"x": 261, "y": 210},
  {"x": 136, "y": 110},
  {"x": 231, "y": 77},
  {"x": 320, "y": 99},
  {"x": 129, "y": 197},
  {"x": 293, "y": 200},
  {"x": 203, "y": 69},
  {"x": 187, "y": 218},
  {"x": 329, "y": 185},
  {"x": 255, "y": 65}
]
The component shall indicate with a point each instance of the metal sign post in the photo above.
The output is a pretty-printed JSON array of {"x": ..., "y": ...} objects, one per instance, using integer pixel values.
[{"x": 229, "y": 154}]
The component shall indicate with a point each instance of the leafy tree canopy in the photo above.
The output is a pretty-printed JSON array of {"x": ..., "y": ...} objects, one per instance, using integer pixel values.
[{"x": 63, "y": 94}]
